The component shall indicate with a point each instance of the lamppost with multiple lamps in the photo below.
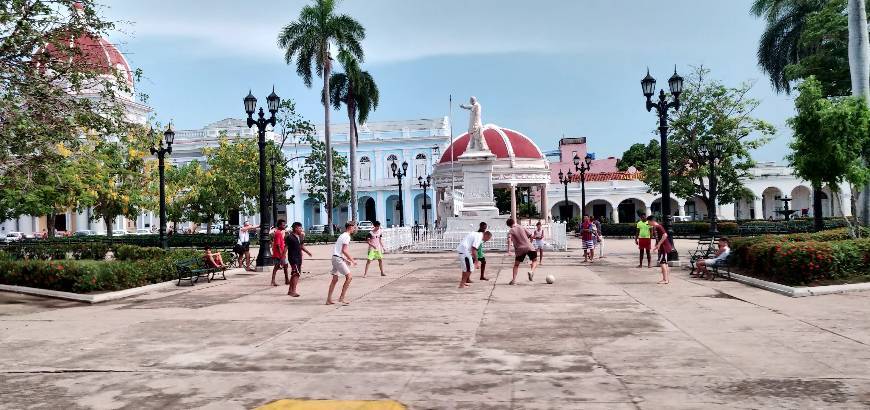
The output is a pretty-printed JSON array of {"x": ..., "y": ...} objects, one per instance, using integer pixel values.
[
  {"x": 425, "y": 184},
  {"x": 399, "y": 174},
  {"x": 582, "y": 167},
  {"x": 264, "y": 257},
  {"x": 161, "y": 152},
  {"x": 675, "y": 83},
  {"x": 567, "y": 214},
  {"x": 712, "y": 152}
]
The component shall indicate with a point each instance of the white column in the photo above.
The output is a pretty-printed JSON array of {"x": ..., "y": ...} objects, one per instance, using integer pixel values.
[
  {"x": 614, "y": 214},
  {"x": 408, "y": 201},
  {"x": 681, "y": 208},
  {"x": 514, "y": 203},
  {"x": 545, "y": 207},
  {"x": 725, "y": 212},
  {"x": 844, "y": 205},
  {"x": 759, "y": 211}
]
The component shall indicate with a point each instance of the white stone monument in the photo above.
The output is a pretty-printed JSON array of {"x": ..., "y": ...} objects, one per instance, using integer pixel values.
[{"x": 476, "y": 163}]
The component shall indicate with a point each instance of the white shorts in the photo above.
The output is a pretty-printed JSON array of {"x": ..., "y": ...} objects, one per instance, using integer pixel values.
[
  {"x": 538, "y": 244},
  {"x": 466, "y": 262},
  {"x": 339, "y": 266},
  {"x": 711, "y": 262}
]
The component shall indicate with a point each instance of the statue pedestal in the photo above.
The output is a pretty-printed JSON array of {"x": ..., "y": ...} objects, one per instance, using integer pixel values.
[{"x": 478, "y": 201}]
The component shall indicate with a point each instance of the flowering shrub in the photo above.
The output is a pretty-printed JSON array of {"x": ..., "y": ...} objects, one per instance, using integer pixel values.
[{"x": 802, "y": 259}]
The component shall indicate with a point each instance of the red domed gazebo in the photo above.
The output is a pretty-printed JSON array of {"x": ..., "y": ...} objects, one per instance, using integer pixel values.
[{"x": 518, "y": 163}]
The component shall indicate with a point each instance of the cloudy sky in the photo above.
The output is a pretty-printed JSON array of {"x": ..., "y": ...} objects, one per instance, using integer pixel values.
[{"x": 546, "y": 68}]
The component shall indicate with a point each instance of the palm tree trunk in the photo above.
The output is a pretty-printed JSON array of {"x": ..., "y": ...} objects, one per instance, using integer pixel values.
[
  {"x": 351, "y": 113},
  {"x": 859, "y": 68},
  {"x": 328, "y": 142}
]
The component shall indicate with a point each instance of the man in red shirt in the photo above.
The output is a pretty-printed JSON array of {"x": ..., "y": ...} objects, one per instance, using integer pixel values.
[
  {"x": 663, "y": 247},
  {"x": 279, "y": 252}
]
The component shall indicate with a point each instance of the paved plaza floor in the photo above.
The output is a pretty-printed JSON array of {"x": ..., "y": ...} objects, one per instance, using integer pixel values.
[{"x": 604, "y": 336}]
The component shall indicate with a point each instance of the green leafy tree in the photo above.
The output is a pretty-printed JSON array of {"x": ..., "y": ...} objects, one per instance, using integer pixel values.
[
  {"x": 824, "y": 50},
  {"x": 41, "y": 80},
  {"x": 230, "y": 180},
  {"x": 356, "y": 89},
  {"x": 638, "y": 155},
  {"x": 307, "y": 40},
  {"x": 830, "y": 137},
  {"x": 114, "y": 171},
  {"x": 314, "y": 173},
  {"x": 718, "y": 118},
  {"x": 780, "y": 43}
]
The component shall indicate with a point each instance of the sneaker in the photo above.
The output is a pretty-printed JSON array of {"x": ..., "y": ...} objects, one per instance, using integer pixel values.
[{"x": 531, "y": 276}]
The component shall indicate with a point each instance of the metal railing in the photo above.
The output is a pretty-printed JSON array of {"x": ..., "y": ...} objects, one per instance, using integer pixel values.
[
  {"x": 439, "y": 240},
  {"x": 397, "y": 239}
]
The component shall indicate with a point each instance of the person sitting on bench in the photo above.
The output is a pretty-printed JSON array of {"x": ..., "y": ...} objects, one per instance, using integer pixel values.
[
  {"x": 720, "y": 259},
  {"x": 213, "y": 259}
]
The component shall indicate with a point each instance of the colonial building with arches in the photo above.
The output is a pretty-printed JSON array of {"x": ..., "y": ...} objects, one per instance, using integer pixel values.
[{"x": 621, "y": 196}]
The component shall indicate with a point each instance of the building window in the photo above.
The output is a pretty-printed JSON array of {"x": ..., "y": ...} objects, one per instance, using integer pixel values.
[
  {"x": 420, "y": 166},
  {"x": 390, "y": 158},
  {"x": 365, "y": 169}
]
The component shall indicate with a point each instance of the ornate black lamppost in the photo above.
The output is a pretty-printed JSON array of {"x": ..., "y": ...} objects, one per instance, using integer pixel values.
[
  {"x": 264, "y": 257},
  {"x": 566, "y": 209},
  {"x": 582, "y": 167},
  {"x": 712, "y": 152},
  {"x": 675, "y": 83},
  {"x": 399, "y": 174},
  {"x": 425, "y": 184},
  {"x": 161, "y": 152}
]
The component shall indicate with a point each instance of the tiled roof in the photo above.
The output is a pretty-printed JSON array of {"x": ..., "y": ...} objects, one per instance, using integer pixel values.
[{"x": 610, "y": 176}]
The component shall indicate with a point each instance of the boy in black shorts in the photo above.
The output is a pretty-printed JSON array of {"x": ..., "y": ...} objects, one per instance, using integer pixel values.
[{"x": 295, "y": 247}]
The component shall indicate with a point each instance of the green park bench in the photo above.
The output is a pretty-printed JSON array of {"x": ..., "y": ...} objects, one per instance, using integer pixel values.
[
  {"x": 191, "y": 269},
  {"x": 705, "y": 248}
]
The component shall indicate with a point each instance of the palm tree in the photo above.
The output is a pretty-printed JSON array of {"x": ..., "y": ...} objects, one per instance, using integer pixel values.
[
  {"x": 859, "y": 68},
  {"x": 779, "y": 45},
  {"x": 356, "y": 89},
  {"x": 308, "y": 40}
]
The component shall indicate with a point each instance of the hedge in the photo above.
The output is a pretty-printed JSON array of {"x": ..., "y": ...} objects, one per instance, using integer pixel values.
[
  {"x": 680, "y": 228},
  {"x": 802, "y": 259},
  {"x": 90, "y": 276}
]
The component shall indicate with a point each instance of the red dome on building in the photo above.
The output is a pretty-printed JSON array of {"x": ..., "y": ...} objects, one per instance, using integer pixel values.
[
  {"x": 503, "y": 142},
  {"x": 92, "y": 53}
]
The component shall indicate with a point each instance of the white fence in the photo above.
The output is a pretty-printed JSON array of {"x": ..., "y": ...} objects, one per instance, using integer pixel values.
[
  {"x": 397, "y": 239},
  {"x": 555, "y": 238}
]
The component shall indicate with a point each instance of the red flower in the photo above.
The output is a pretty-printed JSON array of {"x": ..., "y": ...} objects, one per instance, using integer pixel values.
[{"x": 59, "y": 267}]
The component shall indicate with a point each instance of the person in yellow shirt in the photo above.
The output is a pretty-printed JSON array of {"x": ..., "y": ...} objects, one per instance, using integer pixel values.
[{"x": 643, "y": 239}]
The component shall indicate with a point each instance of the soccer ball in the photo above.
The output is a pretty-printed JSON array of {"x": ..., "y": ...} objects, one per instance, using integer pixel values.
[{"x": 551, "y": 279}]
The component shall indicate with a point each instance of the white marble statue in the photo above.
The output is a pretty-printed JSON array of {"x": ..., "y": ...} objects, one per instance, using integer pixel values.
[{"x": 475, "y": 127}]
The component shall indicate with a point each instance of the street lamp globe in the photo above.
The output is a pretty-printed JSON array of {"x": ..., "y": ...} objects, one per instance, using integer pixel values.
[
  {"x": 250, "y": 104},
  {"x": 576, "y": 160},
  {"x": 588, "y": 160},
  {"x": 273, "y": 101},
  {"x": 394, "y": 167},
  {"x": 719, "y": 147},
  {"x": 676, "y": 84},
  {"x": 570, "y": 175},
  {"x": 405, "y": 167},
  {"x": 648, "y": 84},
  {"x": 169, "y": 135},
  {"x": 420, "y": 180},
  {"x": 561, "y": 176}
]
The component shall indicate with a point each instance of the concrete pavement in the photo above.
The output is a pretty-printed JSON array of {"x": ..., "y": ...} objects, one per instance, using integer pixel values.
[{"x": 604, "y": 336}]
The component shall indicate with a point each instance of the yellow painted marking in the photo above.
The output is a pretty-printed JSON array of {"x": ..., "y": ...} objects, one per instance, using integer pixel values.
[{"x": 288, "y": 404}]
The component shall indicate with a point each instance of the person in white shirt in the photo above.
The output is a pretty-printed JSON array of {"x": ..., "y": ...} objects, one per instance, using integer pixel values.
[
  {"x": 340, "y": 258},
  {"x": 245, "y": 244},
  {"x": 721, "y": 258},
  {"x": 467, "y": 251}
]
